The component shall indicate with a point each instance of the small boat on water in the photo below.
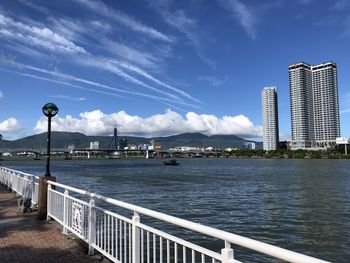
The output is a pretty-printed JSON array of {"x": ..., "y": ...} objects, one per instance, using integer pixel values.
[{"x": 171, "y": 162}]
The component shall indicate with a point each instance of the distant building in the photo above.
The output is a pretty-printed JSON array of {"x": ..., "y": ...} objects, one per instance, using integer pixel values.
[
  {"x": 71, "y": 147},
  {"x": 314, "y": 105},
  {"x": 270, "y": 118},
  {"x": 132, "y": 147},
  {"x": 249, "y": 145},
  {"x": 284, "y": 145},
  {"x": 94, "y": 145},
  {"x": 187, "y": 149},
  {"x": 123, "y": 144},
  {"x": 156, "y": 145}
]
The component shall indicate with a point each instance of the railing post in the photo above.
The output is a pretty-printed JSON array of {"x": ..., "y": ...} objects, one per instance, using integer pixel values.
[
  {"x": 49, "y": 187},
  {"x": 25, "y": 186},
  {"x": 91, "y": 226},
  {"x": 65, "y": 212},
  {"x": 227, "y": 254},
  {"x": 135, "y": 239},
  {"x": 33, "y": 190}
]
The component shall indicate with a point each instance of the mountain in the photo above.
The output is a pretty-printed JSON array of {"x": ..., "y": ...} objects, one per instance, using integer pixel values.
[{"x": 79, "y": 140}]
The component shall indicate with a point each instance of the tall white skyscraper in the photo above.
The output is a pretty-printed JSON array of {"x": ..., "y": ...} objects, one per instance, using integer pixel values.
[
  {"x": 326, "y": 104},
  {"x": 314, "y": 105},
  {"x": 270, "y": 118},
  {"x": 301, "y": 106}
]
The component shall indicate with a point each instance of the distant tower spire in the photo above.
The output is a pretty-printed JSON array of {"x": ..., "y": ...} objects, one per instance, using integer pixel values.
[{"x": 114, "y": 145}]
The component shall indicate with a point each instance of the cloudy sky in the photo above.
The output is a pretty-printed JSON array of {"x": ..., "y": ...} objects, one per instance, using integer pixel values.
[{"x": 162, "y": 67}]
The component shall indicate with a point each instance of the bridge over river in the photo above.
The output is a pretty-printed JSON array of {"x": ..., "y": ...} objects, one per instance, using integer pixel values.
[
  {"x": 114, "y": 153},
  {"x": 78, "y": 152}
]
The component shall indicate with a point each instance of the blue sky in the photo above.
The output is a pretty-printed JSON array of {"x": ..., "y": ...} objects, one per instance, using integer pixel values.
[{"x": 161, "y": 67}]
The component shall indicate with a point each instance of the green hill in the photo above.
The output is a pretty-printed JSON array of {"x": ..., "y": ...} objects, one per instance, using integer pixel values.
[{"x": 79, "y": 140}]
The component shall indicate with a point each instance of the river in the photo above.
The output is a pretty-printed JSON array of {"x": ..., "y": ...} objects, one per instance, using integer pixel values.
[{"x": 301, "y": 205}]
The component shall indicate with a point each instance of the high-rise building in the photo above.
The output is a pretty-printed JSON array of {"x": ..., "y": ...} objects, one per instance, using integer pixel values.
[
  {"x": 301, "y": 106},
  {"x": 270, "y": 118},
  {"x": 326, "y": 104},
  {"x": 314, "y": 105}
]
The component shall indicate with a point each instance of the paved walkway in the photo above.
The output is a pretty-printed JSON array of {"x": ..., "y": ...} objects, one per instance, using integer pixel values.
[{"x": 25, "y": 239}]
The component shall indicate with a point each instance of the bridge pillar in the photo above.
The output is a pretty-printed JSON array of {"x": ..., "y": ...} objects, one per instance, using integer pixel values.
[
  {"x": 42, "y": 200},
  {"x": 147, "y": 154},
  {"x": 88, "y": 155},
  {"x": 37, "y": 156}
]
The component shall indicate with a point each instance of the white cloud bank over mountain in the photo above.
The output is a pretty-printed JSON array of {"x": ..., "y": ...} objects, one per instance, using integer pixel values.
[
  {"x": 10, "y": 125},
  {"x": 98, "y": 123}
]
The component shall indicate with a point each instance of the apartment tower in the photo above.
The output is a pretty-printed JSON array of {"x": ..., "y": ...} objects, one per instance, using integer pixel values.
[
  {"x": 301, "y": 106},
  {"x": 270, "y": 118},
  {"x": 314, "y": 105}
]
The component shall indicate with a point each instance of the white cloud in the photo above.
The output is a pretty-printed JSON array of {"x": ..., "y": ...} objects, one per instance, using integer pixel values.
[
  {"x": 1, "y": 94},
  {"x": 306, "y": 2},
  {"x": 116, "y": 15},
  {"x": 347, "y": 25},
  {"x": 40, "y": 37},
  {"x": 64, "y": 79},
  {"x": 110, "y": 66},
  {"x": 244, "y": 15},
  {"x": 184, "y": 24},
  {"x": 345, "y": 111},
  {"x": 146, "y": 75},
  {"x": 214, "y": 81},
  {"x": 341, "y": 4},
  {"x": 37, "y": 8},
  {"x": 64, "y": 97},
  {"x": 142, "y": 58},
  {"x": 98, "y": 123},
  {"x": 10, "y": 125}
]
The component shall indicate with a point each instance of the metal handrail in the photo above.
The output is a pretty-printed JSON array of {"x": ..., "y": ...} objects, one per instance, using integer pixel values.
[
  {"x": 30, "y": 183},
  {"x": 249, "y": 243},
  {"x": 20, "y": 173}
]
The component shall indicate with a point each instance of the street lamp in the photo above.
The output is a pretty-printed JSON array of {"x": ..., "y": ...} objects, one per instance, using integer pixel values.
[{"x": 49, "y": 110}]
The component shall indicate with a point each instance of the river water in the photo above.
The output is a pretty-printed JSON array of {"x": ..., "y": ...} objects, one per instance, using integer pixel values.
[{"x": 302, "y": 205}]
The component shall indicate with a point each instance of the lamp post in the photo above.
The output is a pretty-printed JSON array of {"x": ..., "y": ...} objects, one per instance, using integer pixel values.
[{"x": 49, "y": 110}]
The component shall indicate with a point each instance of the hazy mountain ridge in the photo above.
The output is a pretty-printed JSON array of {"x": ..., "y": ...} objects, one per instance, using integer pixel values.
[{"x": 79, "y": 140}]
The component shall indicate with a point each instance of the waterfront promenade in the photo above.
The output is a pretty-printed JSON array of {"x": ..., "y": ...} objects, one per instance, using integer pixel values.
[{"x": 23, "y": 238}]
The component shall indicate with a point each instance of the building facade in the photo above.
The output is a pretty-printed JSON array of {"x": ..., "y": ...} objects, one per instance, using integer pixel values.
[
  {"x": 314, "y": 105},
  {"x": 326, "y": 104},
  {"x": 301, "y": 106},
  {"x": 250, "y": 145},
  {"x": 270, "y": 118},
  {"x": 94, "y": 145}
]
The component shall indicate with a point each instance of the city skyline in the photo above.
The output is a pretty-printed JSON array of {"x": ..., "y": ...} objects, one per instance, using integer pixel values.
[{"x": 157, "y": 68}]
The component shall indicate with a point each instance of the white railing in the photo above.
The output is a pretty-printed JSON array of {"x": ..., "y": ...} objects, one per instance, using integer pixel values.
[
  {"x": 127, "y": 240},
  {"x": 24, "y": 184}
]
